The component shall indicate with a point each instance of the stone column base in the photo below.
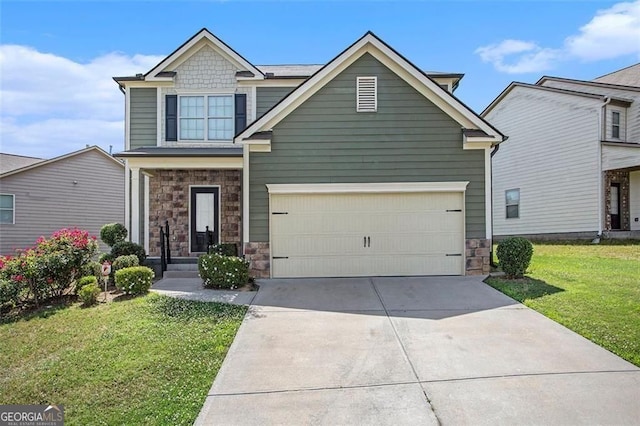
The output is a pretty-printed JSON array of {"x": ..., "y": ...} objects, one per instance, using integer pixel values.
[
  {"x": 478, "y": 252},
  {"x": 258, "y": 256}
]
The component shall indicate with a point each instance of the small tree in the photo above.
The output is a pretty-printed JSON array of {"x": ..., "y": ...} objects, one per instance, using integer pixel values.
[
  {"x": 113, "y": 233},
  {"x": 514, "y": 255}
]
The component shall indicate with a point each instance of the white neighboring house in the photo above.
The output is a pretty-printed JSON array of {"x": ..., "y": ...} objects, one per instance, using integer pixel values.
[
  {"x": 83, "y": 189},
  {"x": 571, "y": 167}
]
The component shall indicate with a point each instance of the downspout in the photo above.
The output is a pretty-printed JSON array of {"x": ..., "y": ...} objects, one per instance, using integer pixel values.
[{"x": 602, "y": 120}]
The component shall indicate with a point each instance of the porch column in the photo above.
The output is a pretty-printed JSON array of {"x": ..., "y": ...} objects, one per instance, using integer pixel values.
[{"x": 134, "y": 232}]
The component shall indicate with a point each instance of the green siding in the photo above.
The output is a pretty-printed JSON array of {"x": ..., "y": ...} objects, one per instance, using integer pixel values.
[
  {"x": 325, "y": 140},
  {"x": 143, "y": 117},
  {"x": 267, "y": 97}
]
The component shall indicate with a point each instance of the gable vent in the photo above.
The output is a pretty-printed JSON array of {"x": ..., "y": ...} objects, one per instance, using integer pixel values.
[{"x": 367, "y": 94}]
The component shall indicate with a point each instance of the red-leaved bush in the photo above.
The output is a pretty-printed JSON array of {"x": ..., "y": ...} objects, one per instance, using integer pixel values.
[{"x": 46, "y": 270}]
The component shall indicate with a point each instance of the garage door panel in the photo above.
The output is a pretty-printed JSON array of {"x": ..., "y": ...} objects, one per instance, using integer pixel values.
[{"x": 325, "y": 235}]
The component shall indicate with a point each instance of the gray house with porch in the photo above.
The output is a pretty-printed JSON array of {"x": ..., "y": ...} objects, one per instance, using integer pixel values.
[{"x": 364, "y": 166}]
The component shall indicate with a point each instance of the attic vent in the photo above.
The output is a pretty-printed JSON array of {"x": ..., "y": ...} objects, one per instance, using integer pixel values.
[{"x": 367, "y": 97}]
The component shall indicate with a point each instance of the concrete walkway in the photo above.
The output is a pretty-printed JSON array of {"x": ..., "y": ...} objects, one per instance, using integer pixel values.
[
  {"x": 412, "y": 351},
  {"x": 191, "y": 289}
]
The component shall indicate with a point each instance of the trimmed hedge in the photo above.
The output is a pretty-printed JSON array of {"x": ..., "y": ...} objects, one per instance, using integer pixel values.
[
  {"x": 84, "y": 281},
  {"x": 113, "y": 233},
  {"x": 514, "y": 255},
  {"x": 88, "y": 294},
  {"x": 225, "y": 249},
  {"x": 218, "y": 271},
  {"x": 122, "y": 262},
  {"x": 134, "y": 280},
  {"x": 125, "y": 248}
]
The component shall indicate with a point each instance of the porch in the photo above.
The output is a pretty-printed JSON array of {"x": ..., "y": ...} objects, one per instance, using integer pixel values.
[
  {"x": 195, "y": 190},
  {"x": 621, "y": 189}
]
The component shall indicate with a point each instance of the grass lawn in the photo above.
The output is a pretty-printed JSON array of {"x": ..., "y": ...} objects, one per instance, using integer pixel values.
[
  {"x": 592, "y": 289},
  {"x": 148, "y": 360}
]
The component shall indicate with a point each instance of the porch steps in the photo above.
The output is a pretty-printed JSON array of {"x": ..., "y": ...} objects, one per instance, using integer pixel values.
[{"x": 181, "y": 270}]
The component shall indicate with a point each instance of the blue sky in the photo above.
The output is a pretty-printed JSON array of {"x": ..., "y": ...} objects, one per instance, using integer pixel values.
[{"x": 57, "y": 57}]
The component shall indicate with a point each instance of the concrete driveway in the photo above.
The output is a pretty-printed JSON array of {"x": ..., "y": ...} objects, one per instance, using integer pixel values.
[{"x": 428, "y": 350}]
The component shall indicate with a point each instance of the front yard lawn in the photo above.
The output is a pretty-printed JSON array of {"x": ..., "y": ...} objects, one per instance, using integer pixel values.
[
  {"x": 592, "y": 289},
  {"x": 148, "y": 360}
]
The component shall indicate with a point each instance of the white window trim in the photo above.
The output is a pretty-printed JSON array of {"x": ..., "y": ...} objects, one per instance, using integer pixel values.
[
  {"x": 375, "y": 93},
  {"x": 206, "y": 117},
  {"x": 619, "y": 125},
  {"x": 506, "y": 204},
  {"x": 13, "y": 209}
]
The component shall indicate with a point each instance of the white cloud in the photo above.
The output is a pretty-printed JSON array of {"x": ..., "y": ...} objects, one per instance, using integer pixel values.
[
  {"x": 52, "y": 105},
  {"x": 611, "y": 33},
  {"x": 531, "y": 57}
]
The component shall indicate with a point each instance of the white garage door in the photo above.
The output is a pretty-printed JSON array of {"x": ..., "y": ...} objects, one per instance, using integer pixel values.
[{"x": 367, "y": 234}]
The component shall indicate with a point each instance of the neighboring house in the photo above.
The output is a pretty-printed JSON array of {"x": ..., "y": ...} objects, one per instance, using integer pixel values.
[
  {"x": 364, "y": 166},
  {"x": 9, "y": 162},
  {"x": 83, "y": 189},
  {"x": 571, "y": 167}
]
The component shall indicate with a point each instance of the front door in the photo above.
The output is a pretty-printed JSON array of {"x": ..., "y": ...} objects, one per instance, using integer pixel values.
[
  {"x": 615, "y": 206},
  {"x": 204, "y": 223}
]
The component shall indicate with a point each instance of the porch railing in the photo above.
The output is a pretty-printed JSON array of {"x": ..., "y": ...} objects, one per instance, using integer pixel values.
[{"x": 165, "y": 247}]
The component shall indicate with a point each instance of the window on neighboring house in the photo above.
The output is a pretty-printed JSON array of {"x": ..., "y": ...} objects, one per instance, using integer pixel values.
[
  {"x": 512, "y": 197},
  {"x": 367, "y": 94},
  {"x": 210, "y": 116},
  {"x": 7, "y": 208},
  {"x": 615, "y": 124}
]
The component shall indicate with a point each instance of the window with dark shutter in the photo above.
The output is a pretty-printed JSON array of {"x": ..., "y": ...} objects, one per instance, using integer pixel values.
[
  {"x": 241, "y": 112},
  {"x": 171, "y": 117}
]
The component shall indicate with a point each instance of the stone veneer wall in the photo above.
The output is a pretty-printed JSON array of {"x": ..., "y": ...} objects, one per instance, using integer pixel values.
[
  {"x": 258, "y": 256},
  {"x": 478, "y": 256},
  {"x": 169, "y": 200},
  {"x": 621, "y": 177}
]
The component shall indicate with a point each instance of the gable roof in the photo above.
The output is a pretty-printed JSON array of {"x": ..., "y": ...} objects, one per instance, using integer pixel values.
[
  {"x": 628, "y": 76},
  {"x": 545, "y": 78},
  {"x": 61, "y": 157},
  {"x": 158, "y": 72},
  {"x": 10, "y": 162},
  {"x": 370, "y": 43},
  {"x": 515, "y": 84}
]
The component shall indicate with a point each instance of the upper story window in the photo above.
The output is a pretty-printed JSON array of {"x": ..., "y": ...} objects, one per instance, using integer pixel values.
[
  {"x": 206, "y": 117},
  {"x": 367, "y": 94},
  {"x": 615, "y": 124},
  {"x": 7, "y": 209},
  {"x": 512, "y": 197}
]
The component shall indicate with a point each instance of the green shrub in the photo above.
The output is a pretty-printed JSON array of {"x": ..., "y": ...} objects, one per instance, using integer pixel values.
[
  {"x": 105, "y": 257},
  {"x": 225, "y": 249},
  {"x": 122, "y": 262},
  {"x": 84, "y": 281},
  {"x": 125, "y": 248},
  {"x": 134, "y": 280},
  {"x": 220, "y": 271},
  {"x": 113, "y": 233},
  {"x": 9, "y": 294},
  {"x": 88, "y": 294},
  {"x": 92, "y": 268},
  {"x": 514, "y": 255}
]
